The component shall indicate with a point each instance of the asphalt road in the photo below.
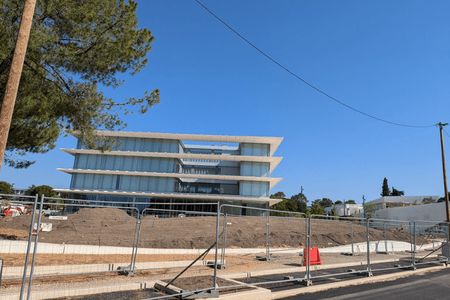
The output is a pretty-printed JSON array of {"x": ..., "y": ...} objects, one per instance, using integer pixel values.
[{"x": 435, "y": 285}]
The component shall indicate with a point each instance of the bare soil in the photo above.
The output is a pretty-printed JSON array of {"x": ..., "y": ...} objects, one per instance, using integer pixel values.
[
  {"x": 115, "y": 227},
  {"x": 234, "y": 264},
  {"x": 123, "y": 295},
  {"x": 12, "y": 233},
  {"x": 204, "y": 282},
  {"x": 44, "y": 259}
]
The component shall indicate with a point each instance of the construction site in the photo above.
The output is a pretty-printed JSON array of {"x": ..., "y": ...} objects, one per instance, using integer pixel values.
[{"x": 91, "y": 251}]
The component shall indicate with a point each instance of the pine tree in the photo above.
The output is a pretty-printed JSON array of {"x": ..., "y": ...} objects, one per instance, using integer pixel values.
[
  {"x": 75, "y": 48},
  {"x": 385, "y": 190}
]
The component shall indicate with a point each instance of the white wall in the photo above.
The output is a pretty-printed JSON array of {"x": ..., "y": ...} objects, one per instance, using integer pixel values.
[{"x": 424, "y": 212}]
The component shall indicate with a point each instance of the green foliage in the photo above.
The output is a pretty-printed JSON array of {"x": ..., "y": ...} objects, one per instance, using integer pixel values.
[
  {"x": 338, "y": 202},
  {"x": 350, "y": 202},
  {"x": 316, "y": 208},
  {"x": 297, "y": 203},
  {"x": 45, "y": 190},
  {"x": 324, "y": 202},
  {"x": 396, "y": 192},
  {"x": 6, "y": 188},
  {"x": 278, "y": 195},
  {"x": 369, "y": 210},
  {"x": 442, "y": 199},
  {"x": 74, "y": 47},
  {"x": 290, "y": 205},
  {"x": 385, "y": 189},
  {"x": 300, "y": 197}
]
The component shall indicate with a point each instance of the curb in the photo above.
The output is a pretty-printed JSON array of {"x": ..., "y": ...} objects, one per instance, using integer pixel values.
[{"x": 359, "y": 281}]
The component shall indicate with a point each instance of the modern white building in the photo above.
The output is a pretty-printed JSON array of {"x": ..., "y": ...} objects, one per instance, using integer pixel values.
[
  {"x": 166, "y": 167},
  {"x": 408, "y": 208},
  {"x": 345, "y": 210}
]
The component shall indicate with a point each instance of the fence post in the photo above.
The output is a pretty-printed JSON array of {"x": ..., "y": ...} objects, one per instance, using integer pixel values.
[
  {"x": 1, "y": 272},
  {"x": 36, "y": 240},
  {"x": 268, "y": 236},
  {"x": 351, "y": 235},
  {"x": 412, "y": 228},
  {"x": 369, "y": 268},
  {"x": 27, "y": 254},
  {"x": 216, "y": 248},
  {"x": 224, "y": 239},
  {"x": 308, "y": 246},
  {"x": 137, "y": 235}
]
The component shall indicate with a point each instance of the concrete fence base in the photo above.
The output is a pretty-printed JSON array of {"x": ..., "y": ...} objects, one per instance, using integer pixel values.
[
  {"x": 9, "y": 246},
  {"x": 16, "y": 272}
]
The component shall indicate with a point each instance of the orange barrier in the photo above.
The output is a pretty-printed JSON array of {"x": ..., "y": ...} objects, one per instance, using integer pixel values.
[{"x": 314, "y": 256}]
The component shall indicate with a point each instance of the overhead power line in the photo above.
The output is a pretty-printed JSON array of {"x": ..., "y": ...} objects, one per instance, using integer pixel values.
[
  {"x": 446, "y": 132},
  {"x": 295, "y": 75}
]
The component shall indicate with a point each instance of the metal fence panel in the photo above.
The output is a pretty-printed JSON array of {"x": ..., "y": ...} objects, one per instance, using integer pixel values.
[
  {"x": 72, "y": 239},
  {"x": 342, "y": 245},
  {"x": 182, "y": 242},
  {"x": 202, "y": 248},
  {"x": 17, "y": 255},
  {"x": 260, "y": 241}
]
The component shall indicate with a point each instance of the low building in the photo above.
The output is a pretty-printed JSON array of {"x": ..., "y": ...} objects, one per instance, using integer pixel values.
[
  {"x": 345, "y": 210},
  {"x": 168, "y": 167},
  {"x": 408, "y": 208}
]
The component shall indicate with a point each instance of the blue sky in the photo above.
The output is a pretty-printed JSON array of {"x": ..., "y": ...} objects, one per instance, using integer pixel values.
[{"x": 389, "y": 58}]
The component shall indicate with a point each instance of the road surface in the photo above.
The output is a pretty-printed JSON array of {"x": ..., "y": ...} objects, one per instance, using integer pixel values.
[{"x": 435, "y": 285}]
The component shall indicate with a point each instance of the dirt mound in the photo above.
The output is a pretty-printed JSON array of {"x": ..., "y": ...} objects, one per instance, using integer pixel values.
[
  {"x": 115, "y": 227},
  {"x": 101, "y": 216},
  {"x": 21, "y": 222},
  {"x": 13, "y": 234}
]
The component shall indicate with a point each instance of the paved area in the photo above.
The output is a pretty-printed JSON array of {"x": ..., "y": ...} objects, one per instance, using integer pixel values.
[
  {"x": 108, "y": 282},
  {"x": 329, "y": 275},
  {"x": 435, "y": 285}
]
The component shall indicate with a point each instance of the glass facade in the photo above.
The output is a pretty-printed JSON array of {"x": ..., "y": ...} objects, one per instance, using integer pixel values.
[
  {"x": 123, "y": 183},
  {"x": 255, "y": 149},
  {"x": 125, "y": 163},
  {"x": 217, "y": 176}
]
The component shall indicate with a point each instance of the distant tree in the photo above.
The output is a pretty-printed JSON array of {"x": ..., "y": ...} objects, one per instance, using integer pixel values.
[
  {"x": 6, "y": 188},
  {"x": 325, "y": 202},
  {"x": 369, "y": 210},
  {"x": 278, "y": 195},
  {"x": 396, "y": 192},
  {"x": 385, "y": 189},
  {"x": 286, "y": 205},
  {"x": 442, "y": 199},
  {"x": 301, "y": 207},
  {"x": 296, "y": 203},
  {"x": 45, "y": 190},
  {"x": 350, "y": 202},
  {"x": 316, "y": 208},
  {"x": 77, "y": 50},
  {"x": 338, "y": 202},
  {"x": 299, "y": 197}
]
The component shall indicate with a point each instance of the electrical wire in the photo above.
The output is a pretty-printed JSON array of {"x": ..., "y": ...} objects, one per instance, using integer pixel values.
[
  {"x": 295, "y": 75},
  {"x": 446, "y": 133}
]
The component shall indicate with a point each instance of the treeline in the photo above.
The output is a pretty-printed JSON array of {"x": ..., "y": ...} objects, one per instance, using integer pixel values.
[
  {"x": 299, "y": 203},
  {"x": 8, "y": 188}
]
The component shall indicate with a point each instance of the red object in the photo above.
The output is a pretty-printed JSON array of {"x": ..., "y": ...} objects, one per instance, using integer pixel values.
[{"x": 314, "y": 256}]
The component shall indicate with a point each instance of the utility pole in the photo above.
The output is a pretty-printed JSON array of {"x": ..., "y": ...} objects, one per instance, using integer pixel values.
[
  {"x": 364, "y": 205},
  {"x": 444, "y": 172},
  {"x": 15, "y": 72}
]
